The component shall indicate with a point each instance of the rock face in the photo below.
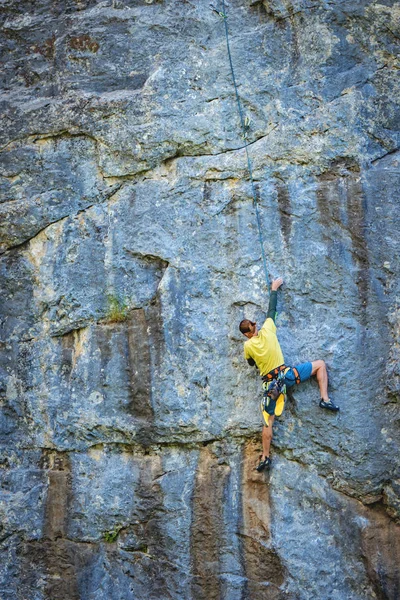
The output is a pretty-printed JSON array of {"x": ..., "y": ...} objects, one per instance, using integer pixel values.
[{"x": 129, "y": 425}]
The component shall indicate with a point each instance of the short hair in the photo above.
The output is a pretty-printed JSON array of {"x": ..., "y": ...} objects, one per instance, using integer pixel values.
[{"x": 246, "y": 325}]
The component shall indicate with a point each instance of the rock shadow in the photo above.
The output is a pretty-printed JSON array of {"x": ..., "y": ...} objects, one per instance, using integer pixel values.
[
  {"x": 207, "y": 526},
  {"x": 262, "y": 565}
]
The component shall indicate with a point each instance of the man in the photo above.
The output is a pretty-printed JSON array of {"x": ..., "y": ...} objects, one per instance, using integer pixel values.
[{"x": 263, "y": 350}]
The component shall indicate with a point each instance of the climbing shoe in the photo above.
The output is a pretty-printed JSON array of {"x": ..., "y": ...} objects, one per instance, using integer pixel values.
[
  {"x": 329, "y": 405},
  {"x": 264, "y": 464}
]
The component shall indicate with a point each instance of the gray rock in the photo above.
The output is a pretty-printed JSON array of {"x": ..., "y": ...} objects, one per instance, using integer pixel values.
[{"x": 129, "y": 421}]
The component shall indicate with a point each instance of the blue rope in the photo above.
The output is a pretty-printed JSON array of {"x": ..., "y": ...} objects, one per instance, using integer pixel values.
[{"x": 243, "y": 125}]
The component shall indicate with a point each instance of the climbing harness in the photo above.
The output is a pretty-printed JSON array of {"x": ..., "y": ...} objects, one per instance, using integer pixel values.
[
  {"x": 272, "y": 391},
  {"x": 273, "y": 400},
  {"x": 245, "y": 124},
  {"x": 274, "y": 374}
]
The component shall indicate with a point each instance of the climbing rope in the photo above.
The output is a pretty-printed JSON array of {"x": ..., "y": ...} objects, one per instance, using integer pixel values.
[{"x": 245, "y": 122}]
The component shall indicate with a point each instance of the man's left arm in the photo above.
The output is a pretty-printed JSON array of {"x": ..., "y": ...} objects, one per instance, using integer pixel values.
[{"x": 249, "y": 358}]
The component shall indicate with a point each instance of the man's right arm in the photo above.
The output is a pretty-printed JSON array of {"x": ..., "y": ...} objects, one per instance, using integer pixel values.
[{"x": 273, "y": 298}]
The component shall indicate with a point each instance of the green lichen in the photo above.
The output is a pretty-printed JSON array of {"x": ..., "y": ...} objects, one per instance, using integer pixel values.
[
  {"x": 117, "y": 309},
  {"x": 111, "y": 536}
]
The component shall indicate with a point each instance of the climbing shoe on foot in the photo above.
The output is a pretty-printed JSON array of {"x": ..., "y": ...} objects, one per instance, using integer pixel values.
[
  {"x": 264, "y": 464},
  {"x": 329, "y": 405}
]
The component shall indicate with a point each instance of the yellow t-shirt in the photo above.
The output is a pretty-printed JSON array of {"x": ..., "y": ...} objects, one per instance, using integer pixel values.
[{"x": 264, "y": 348}]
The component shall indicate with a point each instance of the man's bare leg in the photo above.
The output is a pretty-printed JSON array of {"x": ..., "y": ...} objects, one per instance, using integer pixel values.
[
  {"x": 267, "y": 437},
  {"x": 319, "y": 370}
]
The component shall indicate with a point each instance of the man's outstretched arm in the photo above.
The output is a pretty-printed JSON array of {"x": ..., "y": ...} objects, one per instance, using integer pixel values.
[{"x": 273, "y": 298}]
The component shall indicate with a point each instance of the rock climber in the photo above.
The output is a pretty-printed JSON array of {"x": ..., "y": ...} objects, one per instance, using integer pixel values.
[{"x": 262, "y": 349}]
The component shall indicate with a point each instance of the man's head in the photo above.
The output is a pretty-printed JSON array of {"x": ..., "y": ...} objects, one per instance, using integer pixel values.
[{"x": 248, "y": 328}]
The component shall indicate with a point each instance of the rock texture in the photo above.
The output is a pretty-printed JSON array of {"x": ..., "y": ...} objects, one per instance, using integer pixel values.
[{"x": 129, "y": 425}]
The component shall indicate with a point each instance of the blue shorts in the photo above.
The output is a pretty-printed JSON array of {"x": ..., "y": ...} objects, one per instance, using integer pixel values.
[{"x": 304, "y": 370}]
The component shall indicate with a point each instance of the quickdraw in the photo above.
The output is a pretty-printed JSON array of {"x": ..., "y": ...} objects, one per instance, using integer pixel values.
[
  {"x": 219, "y": 12},
  {"x": 245, "y": 126}
]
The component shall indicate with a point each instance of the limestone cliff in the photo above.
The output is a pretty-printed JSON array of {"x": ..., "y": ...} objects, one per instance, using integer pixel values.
[{"x": 129, "y": 425}]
